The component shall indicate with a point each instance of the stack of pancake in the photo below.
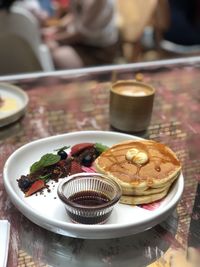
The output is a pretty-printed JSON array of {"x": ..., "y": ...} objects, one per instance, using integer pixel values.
[{"x": 144, "y": 169}]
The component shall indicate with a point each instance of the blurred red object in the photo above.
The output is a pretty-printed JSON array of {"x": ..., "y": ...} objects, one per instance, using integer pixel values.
[{"x": 62, "y": 3}]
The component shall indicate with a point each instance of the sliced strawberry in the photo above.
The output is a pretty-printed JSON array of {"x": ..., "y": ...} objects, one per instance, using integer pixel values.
[
  {"x": 88, "y": 169},
  {"x": 36, "y": 186},
  {"x": 76, "y": 149},
  {"x": 75, "y": 167}
]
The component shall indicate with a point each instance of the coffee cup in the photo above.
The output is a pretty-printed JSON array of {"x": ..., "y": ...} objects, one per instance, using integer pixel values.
[{"x": 131, "y": 104}]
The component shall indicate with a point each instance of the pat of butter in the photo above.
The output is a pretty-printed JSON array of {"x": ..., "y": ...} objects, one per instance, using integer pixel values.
[
  {"x": 131, "y": 153},
  {"x": 136, "y": 156}
]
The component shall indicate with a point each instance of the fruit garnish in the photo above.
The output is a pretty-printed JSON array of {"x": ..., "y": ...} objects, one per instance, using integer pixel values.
[
  {"x": 45, "y": 177},
  {"x": 46, "y": 160},
  {"x": 88, "y": 169},
  {"x": 78, "y": 148},
  {"x": 62, "y": 154},
  {"x": 24, "y": 183},
  {"x": 87, "y": 160},
  {"x": 100, "y": 148},
  {"x": 62, "y": 148},
  {"x": 51, "y": 166},
  {"x": 75, "y": 167},
  {"x": 36, "y": 186}
]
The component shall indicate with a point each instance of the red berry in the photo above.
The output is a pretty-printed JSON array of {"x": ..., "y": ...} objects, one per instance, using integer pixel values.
[
  {"x": 75, "y": 167},
  {"x": 35, "y": 187},
  {"x": 76, "y": 149}
]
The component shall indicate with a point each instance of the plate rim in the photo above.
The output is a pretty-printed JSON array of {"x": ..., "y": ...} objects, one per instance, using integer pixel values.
[
  {"x": 16, "y": 114},
  {"x": 22, "y": 206}
]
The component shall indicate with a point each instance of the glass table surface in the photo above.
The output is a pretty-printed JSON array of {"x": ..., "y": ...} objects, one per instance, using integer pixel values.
[{"x": 78, "y": 100}]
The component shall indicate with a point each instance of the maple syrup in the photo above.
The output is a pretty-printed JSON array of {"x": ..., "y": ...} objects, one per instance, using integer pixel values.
[{"x": 89, "y": 199}]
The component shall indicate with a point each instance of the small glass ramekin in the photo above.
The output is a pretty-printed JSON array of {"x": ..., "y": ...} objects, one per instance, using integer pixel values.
[{"x": 89, "y": 198}]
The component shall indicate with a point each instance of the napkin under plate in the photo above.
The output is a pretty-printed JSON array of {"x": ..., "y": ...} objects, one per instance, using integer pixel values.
[{"x": 4, "y": 242}]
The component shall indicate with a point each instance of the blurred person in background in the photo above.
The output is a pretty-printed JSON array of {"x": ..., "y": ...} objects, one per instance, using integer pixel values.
[
  {"x": 61, "y": 7},
  {"x": 88, "y": 35},
  {"x": 33, "y": 6},
  {"x": 184, "y": 26},
  {"x": 47, "y": 6}
]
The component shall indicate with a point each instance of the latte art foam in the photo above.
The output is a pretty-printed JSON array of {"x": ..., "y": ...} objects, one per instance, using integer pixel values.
[{"x": 131, "y": 90}]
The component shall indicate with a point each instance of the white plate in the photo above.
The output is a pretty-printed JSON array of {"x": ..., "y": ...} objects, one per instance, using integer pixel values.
[
  {"x": 48, "y": 211},
  {"x": 15, "y": 103}
]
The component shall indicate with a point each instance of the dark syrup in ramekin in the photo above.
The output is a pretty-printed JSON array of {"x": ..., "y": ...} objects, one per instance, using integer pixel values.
[{"x": 90, "y": 199}]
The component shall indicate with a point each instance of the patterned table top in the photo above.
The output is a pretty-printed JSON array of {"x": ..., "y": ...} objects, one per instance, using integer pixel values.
[{"x": 61, "y": 105}]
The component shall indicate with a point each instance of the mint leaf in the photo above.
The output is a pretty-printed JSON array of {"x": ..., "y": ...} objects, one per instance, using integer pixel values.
[
  {"x": 35, "y": 167},
  {"x": 49, "y": 159},
  {"x": 62, "y": 148},
  {"x": 46, "y": 160},
  {"x": 44, "y": 177},
  {"x": 100, "y": 148}
]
